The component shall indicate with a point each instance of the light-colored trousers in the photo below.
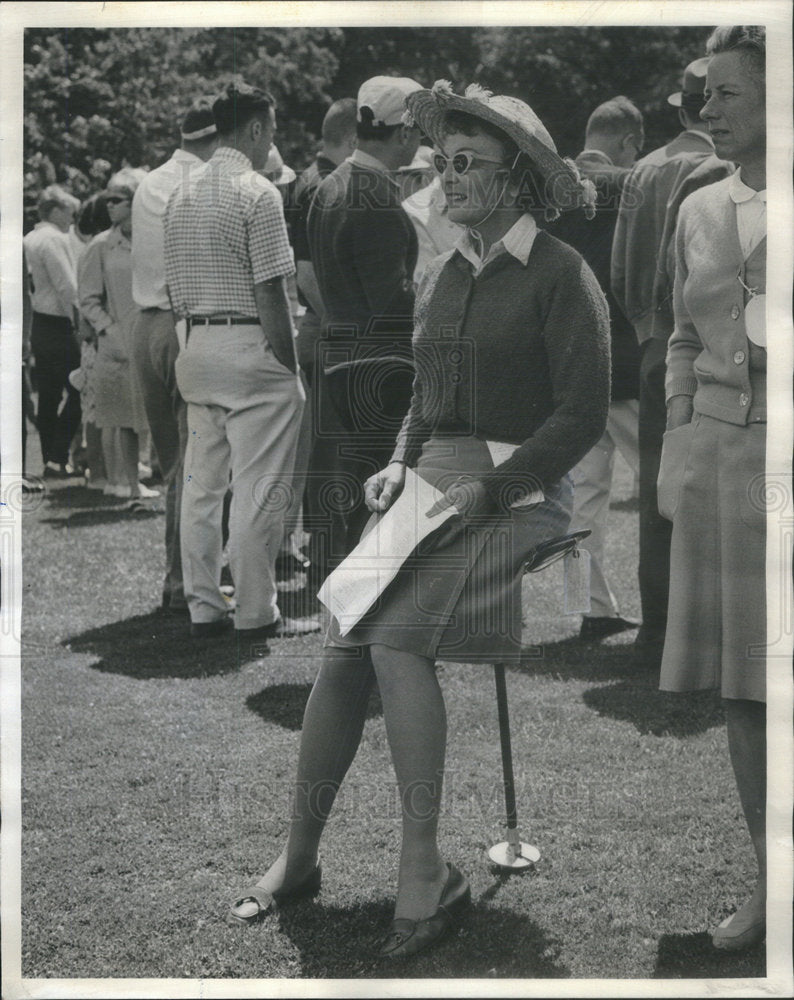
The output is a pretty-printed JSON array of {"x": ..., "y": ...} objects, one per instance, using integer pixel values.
[
  {"x": 592, "y": 480},
  {"x": 243, "y": 414}
]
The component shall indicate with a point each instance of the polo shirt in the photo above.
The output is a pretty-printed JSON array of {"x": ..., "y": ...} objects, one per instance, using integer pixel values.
[{"x": 224, "y": 233}]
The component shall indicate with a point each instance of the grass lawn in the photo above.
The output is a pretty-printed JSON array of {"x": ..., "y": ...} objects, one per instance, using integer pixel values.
[{"x": 156, "y": 772}]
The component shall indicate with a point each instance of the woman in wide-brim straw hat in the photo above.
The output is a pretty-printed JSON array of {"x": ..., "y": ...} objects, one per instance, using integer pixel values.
[{"x": 511, "y": 390}]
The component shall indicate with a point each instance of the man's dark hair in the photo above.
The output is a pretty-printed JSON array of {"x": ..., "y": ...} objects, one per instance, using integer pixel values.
[
  {"x": 198, "y": 118},
  {"x": 366, "y": 130},
  {"x": 523, "y": 172},
  {"x": 339, "y": 121},
  {"x": 747, "y": 39},
  {"x": 93, "y": 216},
  {"x": 238, "y": 104}
]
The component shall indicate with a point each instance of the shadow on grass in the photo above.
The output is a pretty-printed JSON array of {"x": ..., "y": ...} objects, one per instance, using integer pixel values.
[
  {"x": 284, "y": 704},
  {"x": 79, "y": 496},
  {"x": 635, "y": 697},
  {"x": 102, "y": 515},
  {"x": 693, "y": 956},
  {"x": 657, "y": 713},
  {"x": 85, "y": 508},
  {"x": 158, "y": 645},
  {"x": 491, "y": 942},
  {"x": 572, "y": 659}
]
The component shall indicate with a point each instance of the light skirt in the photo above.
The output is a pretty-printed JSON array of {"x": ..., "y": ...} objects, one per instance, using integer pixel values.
[{"x": 716, "y": 623}]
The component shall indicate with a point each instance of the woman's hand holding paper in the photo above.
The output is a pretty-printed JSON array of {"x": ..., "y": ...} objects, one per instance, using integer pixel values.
[{"x": 384, "y": 487}]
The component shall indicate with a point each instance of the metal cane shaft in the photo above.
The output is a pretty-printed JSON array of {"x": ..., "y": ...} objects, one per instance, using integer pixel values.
[{"x": 507, "y": 750}]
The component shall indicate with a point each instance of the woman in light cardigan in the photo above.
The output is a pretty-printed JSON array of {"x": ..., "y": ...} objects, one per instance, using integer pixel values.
[
  {"x": 511, "y": 390},
  {"x": 712, "y": 476}
]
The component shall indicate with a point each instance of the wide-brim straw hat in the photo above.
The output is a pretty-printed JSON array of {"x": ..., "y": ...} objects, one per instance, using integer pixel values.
[{"x": 564, "y": 187}]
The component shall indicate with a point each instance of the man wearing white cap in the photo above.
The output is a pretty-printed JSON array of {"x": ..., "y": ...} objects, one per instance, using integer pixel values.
[
  {"x": 154, "y": 336},
  {"x": 363, "y": 247},
  {"x": 636, "y": 256}
]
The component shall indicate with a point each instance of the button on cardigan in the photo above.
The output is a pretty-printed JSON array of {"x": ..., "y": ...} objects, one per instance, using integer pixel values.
[
  {"x": 710, "y": 300},
  {"x": 529, "y": 345}
]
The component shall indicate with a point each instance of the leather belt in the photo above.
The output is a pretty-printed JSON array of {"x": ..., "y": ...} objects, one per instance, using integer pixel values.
[{"x": 223, "y": 321}]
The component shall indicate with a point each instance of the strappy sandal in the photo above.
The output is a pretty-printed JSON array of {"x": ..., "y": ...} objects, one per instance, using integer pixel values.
[{"x": 265, "y": 900}]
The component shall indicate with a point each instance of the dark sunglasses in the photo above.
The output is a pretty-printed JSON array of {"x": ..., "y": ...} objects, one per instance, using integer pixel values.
[
  {"x": 461, "y": 162},
  {"x": 115, "y": 200}
]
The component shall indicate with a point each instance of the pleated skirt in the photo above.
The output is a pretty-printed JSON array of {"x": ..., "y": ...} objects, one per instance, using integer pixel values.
[{"x": 462, "y": 602}]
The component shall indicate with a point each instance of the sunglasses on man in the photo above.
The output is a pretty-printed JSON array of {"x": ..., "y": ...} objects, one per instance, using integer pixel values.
[{"x": 115, "y": 200}]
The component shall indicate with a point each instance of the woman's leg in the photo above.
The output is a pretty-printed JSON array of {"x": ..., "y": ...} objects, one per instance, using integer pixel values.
[
  {"x": 94, "y": 456},
  {"x": 747, "y": 743},
  {"x": 416, "y": 726},
  {"x": 129, "y": 456},
  {"x": 332, "y": 725},
  {"x": 110, "y": 451}
]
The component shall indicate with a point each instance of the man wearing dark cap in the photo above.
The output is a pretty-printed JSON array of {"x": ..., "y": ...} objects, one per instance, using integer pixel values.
[
  {"x": 363, "y": 248},
  {"x": 636, "y": 255},
  {"x": 155, "y": 341},
  {"x": 226, "y": 257}
]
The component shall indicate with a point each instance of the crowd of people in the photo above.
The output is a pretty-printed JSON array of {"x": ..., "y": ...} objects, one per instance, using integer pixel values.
[{"x": 438, "y": 291}]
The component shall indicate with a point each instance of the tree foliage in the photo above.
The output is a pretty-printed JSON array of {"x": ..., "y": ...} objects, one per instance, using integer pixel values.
[{"x": 96, "y": 99}]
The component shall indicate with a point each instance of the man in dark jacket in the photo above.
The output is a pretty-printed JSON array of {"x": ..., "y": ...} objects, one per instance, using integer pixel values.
[
  {"x": 325, "y": 524},
  {"x": 363, "y": 249},
  {"x": 613, "y": 139},
  {"x": 646, "y": 223}
]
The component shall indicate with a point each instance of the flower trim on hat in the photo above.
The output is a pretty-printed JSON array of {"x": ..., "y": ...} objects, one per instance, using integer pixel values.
[
  {"x": 475, "y": 92},
  {"x": 442, "y": 89},
  {"x": 442, "y": 92}
]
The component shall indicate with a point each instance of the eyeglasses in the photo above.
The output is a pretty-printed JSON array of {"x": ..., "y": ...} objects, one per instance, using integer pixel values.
[
  {"x": 461, "y": 162},
  {"x": 115, "y": 200}
]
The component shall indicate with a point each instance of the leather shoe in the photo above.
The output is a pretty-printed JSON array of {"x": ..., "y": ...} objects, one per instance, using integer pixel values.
[
  {"x": 265, "y": 900},
  {"x": 408, "y": 937},
  {"x": 174, "y": 610},
  {"x": 599, "y": 627},
  {"x": 734, "y": 936},
  {"x": 259, "y": 633},
  {"x": 209, "y": 630}
]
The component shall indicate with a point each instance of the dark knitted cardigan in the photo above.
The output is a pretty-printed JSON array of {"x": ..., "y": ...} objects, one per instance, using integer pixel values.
[{"x": 518, "y": 354}]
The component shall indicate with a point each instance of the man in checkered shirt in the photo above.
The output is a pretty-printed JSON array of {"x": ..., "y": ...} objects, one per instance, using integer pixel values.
[{"x": 226, "y": 258}]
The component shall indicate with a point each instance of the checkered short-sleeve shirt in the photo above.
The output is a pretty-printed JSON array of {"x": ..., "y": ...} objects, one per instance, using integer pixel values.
[{"x": 224, "y": 233}]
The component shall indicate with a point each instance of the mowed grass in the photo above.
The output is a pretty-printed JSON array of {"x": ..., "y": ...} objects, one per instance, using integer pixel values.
[{"x": 156, "y": 777}]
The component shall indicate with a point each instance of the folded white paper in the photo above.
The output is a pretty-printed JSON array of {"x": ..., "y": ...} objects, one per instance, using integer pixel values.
[{"x": 354, "y": 586}]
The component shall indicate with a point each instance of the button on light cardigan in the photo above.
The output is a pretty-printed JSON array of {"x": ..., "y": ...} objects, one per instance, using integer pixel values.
[{"x": 709, "y": 356}]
